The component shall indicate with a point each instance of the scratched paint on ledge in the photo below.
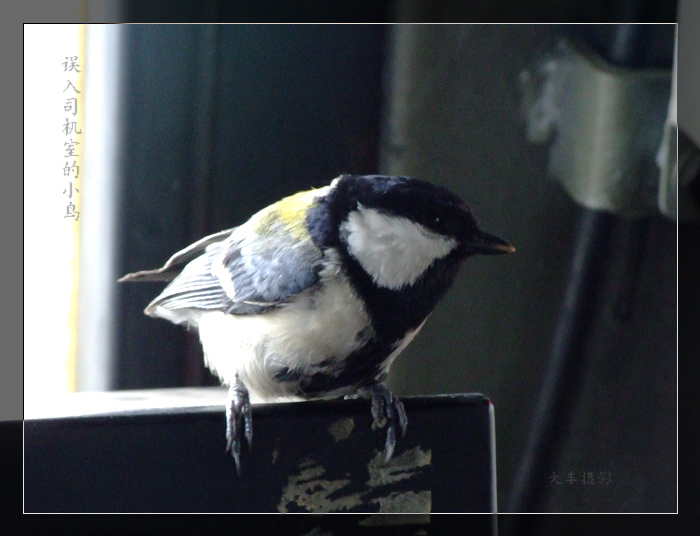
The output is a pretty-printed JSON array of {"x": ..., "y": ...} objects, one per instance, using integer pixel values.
[
  {"x": 311, "y": 490},
  {"x": 342, "y": 428}
]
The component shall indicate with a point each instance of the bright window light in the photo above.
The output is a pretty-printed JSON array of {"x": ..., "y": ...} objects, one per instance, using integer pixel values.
[{"x": 53, "y": 122}]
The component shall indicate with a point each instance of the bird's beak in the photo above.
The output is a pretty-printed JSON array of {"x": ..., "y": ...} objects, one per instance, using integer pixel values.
[{"x": 488, "y": 244}]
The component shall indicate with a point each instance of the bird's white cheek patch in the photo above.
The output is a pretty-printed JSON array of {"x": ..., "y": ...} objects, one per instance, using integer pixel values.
[{"x": 395, "y": 251}]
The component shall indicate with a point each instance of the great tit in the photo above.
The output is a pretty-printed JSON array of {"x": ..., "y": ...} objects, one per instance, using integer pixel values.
[{"x": 316, "y": 295}]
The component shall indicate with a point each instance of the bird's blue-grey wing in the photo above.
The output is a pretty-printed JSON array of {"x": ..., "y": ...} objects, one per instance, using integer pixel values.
[{"x": 256, "y": 268}]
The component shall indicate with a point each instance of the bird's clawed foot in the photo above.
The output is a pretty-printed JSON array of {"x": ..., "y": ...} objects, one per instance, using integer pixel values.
[
  {"x": 387, "y": 409},
  {"x": 239, "y": 421}
]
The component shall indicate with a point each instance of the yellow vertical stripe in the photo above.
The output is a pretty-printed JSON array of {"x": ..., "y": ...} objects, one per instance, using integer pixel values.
[{"x": 71, "y": 363}]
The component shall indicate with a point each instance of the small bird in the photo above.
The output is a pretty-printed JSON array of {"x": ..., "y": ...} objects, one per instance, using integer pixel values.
[{"x": 315, "y": 296}]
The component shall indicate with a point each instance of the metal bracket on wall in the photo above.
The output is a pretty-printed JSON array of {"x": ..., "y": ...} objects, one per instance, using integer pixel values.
[{"x": 609, "y": 123}]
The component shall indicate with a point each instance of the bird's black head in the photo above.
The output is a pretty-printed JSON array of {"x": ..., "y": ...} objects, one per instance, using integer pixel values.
[
  {"x": 401, "y": 242},
  {"x": 433, "y": 207}
]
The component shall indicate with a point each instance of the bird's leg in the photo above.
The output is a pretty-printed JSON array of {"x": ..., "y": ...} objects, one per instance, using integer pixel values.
[
  {"x": 239, "y": 421},
  {"x": 387, "y": 409}
]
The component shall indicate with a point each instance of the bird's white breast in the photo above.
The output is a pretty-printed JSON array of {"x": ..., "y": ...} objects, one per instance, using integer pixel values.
[{"x": 322, "y": 322}]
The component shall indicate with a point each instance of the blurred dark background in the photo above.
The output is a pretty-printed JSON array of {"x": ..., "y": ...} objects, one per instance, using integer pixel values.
[{"x": 220, "y": 120}]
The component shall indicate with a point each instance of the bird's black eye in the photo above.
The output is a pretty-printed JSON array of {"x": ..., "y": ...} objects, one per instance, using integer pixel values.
[{"x": 437, "y": 219}]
